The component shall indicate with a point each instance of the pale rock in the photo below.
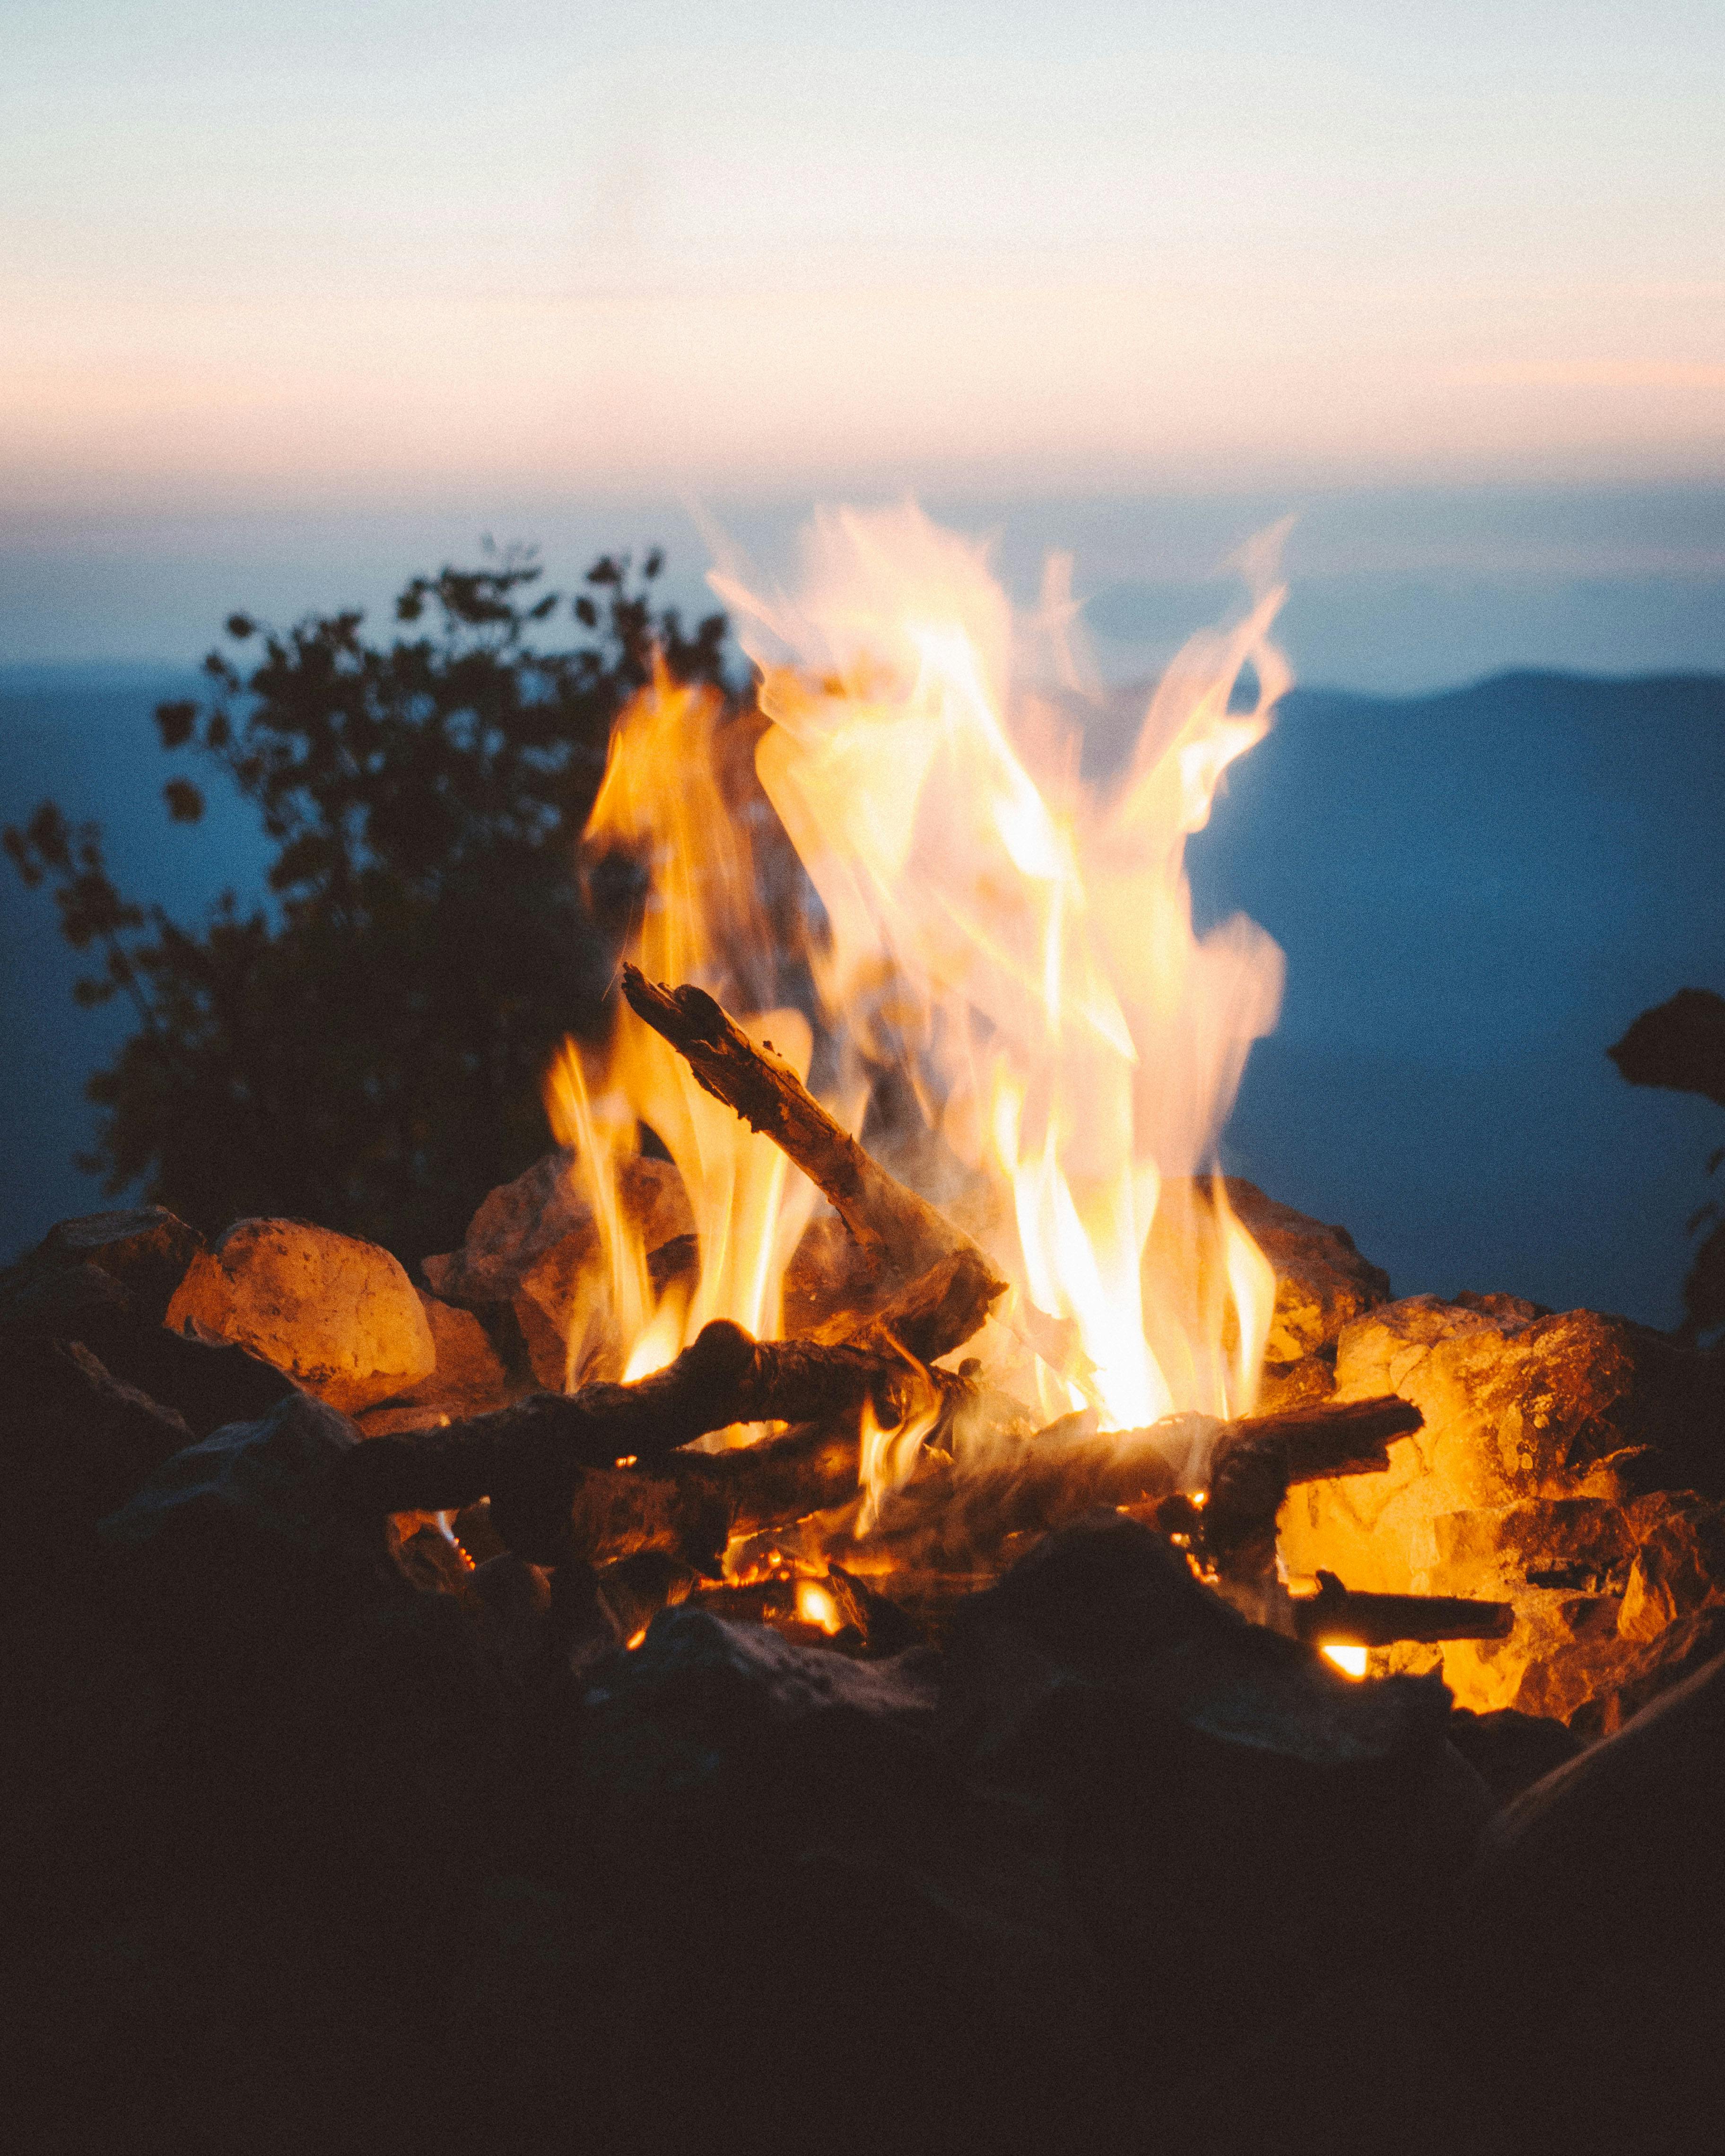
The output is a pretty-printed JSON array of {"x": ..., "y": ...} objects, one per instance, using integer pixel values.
[
  {"x": 1524, "y": 1484},
  {"x": 471, "y": 1376},
  {"x": 340, "y": 1316}
]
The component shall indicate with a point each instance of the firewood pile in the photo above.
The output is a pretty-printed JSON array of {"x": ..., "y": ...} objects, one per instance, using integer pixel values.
[{"x": 405, "y": 1750}]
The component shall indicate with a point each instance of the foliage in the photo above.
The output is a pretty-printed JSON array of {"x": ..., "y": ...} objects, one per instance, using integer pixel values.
[
  {"x": 1681, "y": 1044},
  {"x": 367, "y": 1052}
]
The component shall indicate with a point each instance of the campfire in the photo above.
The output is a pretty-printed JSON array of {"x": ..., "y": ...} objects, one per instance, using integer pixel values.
[{"x": 887, "y": 1488}]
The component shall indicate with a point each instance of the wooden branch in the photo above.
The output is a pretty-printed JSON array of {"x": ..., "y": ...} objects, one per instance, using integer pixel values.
[
  {"x": 723, "y": 1378},
  {"x": 1334, "y": 1616},
  {"x": 878, "y": 1211}
]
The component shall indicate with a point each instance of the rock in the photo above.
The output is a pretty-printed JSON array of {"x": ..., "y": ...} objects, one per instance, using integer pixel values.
[
  {"x": 794, "y": 1804},
  {"x": 1322, "y": 1282},
  {"x": 532, "y": 1241},
  {"x": 338, "y": 1316},
  {"x": 1300, "y": 1384},
  {"x": 343, "y": 1734},
  {"x": 706, "y": 1705},
  {"x": 470, "y": 1377},
  {"x": 207, "y": 1383},
  {"x": 75, "y": 1443},
  {"x": 1534, "y": 1479},
  {"x": 267, "y": 1489},
  {"x": 147, "y": 1250},
  {"x": 1583, "y": 1977},
  {"x": 521, "y": 1223},
  {"x": 1678, "y": 1565},
  {"x": 1620, "y": 1684},
  {"x": 1510, "y": 1751},
  {"x": 1238, "y": 1821}
]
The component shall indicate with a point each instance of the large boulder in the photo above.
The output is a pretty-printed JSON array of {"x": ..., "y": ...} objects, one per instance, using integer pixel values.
[
  {"x": 340, "y": 1316},
  {"x": 1554, "y": 1449},
  {"x": 1583, "y": 1978}
]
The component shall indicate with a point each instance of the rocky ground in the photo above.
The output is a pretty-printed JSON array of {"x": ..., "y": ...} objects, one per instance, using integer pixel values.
[{"x": 319, "y": 1838}]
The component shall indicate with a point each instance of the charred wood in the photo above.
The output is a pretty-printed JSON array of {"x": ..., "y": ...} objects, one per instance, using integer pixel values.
[
  {"x": 909, "y": 1234},
  {"x": 1333, "y": 1616},
  {"x": 530, "y": 1456}
]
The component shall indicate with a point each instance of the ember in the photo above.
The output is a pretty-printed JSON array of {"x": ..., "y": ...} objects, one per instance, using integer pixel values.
[{"x": 933, "y": 1562}]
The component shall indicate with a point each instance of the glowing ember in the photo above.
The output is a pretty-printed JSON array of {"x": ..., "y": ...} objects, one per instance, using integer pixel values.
[
  {"x": 815, "y": 1606},
  {"x": 1350, "y": 1660}
]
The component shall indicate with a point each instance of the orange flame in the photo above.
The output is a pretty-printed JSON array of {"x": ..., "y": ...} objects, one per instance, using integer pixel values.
[
  {"x": 1025, "y": 951},
  {"x": 1015, "y": 945}
]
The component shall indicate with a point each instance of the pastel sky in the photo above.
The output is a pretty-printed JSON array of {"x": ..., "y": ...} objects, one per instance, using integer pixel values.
[{"x": 363, "y": 254}]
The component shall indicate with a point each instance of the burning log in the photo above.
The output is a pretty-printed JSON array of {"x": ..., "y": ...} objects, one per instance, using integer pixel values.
[
  {"x": 910, "y": 1235},
  {"x": 1335, "y": 1617},
  {"x": 723, "y": 1378}
]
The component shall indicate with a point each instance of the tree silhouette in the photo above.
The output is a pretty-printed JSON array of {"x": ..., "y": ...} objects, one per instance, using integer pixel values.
[
  {"x": 367, "y": 1051},
  {"x": 1681, "y": 1044}
]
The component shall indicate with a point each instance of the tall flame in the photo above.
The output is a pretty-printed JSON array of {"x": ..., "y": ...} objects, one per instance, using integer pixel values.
[
  {"x": 1011, "y": 947},
  {"x": 1022, "y": 947}
]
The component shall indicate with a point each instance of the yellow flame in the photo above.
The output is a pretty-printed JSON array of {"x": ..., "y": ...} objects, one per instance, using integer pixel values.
[
  {"x": 664, "y": 803},
  {"x": 1349, "y": 1659},
  {"x": 887, "y": 1453},
  {"x": 1016, "y": 944},
  {"x": 1071, "y": 1038}
]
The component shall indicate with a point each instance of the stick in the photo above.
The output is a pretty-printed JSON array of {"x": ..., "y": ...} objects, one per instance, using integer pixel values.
[
  {"x": 1333, "y": 1615},
  {"x": 880, "y": 1213},
  {"x": 723, "y": 1378}
]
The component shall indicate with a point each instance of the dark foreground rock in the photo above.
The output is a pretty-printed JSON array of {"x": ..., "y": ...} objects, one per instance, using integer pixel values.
[
  {"x": 1584, "y": 1973},
  {"x": 321, "y": 1837}
]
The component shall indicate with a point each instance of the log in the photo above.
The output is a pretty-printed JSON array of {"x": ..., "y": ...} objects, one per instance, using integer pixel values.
[
  {"x": 540, "y": 1444},
  {"x": 954, "y": 1514},
  {"x": 1333, "y": 1616},
  {"x": 909, "y": 1234},
  {"x": 722, "y": 1378}
]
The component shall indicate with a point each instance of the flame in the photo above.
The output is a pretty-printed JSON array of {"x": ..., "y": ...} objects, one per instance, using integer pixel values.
[
  {"x": 888, "y": 1452},
  {"x": 665, "y": 805},
  {"x": 1010, "y": 945},
  {"x": 1350, "y": 1660},
  {"x": 1021, "y": 948}
]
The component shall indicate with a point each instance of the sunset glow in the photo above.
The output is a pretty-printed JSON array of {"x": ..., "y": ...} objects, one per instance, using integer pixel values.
[{"x": 1097, "y": 247}]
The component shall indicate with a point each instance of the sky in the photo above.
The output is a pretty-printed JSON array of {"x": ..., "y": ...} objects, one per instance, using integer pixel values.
[
  {"x": 297, "y": 301},
  {"x": 285, "y": 290}
]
